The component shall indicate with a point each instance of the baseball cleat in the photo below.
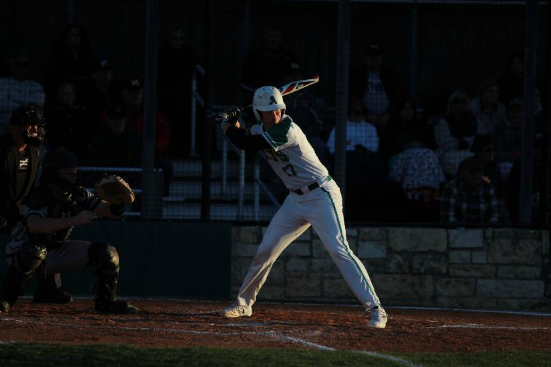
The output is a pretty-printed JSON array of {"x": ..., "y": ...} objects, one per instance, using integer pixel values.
[
  {"x": 116, "y": 308},
  {"x": 4, "y": 306},
  {"x": 55, "y": 295},
  {"x": 378, "y": 317},
  {"x": 236, "y": 311}
]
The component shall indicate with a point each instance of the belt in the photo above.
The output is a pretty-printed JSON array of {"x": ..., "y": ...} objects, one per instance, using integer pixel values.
[{"x": 312, "y": 186}]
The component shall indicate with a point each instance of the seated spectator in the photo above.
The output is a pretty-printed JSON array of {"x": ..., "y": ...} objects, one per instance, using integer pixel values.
[
  {"x": 491, "y": 114},
  {"x": 17, "y": 89},
  {"x": 509, "y": 138},
  {"x": 510, "y": 83},
  {"x": 455, "y": 132},
  {"x": 418, "y": 172},
  {"x": 100, "y": 92},
  {"x": 368, "y": 194},
  {"x": 267, "y": 64},
  {"x": 377, "y": 85},
  {"x": 132, "y": 102},
  {"x": 71, "y": 60},
  {"x": 175, "y": 69},
  {"x": 469, "y": 199},
  {"x": 308, "y": 111},
  {"x": 404, "y": 128},
  {"x": 116, "y": 145},
  {"x": 360, "y": 134},
  {"x": 484, "y": 148},
  {"x": 70, "y": 126}
]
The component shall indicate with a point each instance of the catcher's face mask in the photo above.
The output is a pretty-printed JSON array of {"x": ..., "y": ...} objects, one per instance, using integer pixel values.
[
  {"x": 66, "y": 178},
  {"x": 31, "y": 124}
]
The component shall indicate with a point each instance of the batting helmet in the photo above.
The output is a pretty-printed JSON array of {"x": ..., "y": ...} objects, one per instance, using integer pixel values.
[{"x": 267, "y": 99}]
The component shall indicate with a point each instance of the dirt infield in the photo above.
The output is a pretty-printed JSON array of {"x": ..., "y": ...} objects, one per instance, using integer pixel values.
[{"x": 195, "y": 323}]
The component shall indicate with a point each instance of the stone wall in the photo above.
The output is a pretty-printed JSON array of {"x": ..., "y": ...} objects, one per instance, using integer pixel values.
[{"x": 466, "y": 268}]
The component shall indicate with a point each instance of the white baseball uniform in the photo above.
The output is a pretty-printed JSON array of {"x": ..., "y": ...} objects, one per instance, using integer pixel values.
[{"x": 315, "y": 199}]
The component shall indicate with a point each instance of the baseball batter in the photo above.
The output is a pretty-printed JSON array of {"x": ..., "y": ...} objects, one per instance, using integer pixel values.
[{"x": 314, "y": 200}]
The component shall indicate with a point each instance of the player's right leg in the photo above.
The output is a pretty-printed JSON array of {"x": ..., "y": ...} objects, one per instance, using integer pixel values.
[
  {"x": 24, "y": 258},
  {"x": 286, "y": 226},
  {"x": 76, "y": 255}
]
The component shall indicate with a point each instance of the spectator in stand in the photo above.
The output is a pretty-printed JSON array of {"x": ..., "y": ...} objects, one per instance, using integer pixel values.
[
  {"x": 469, "y": 199},
  {"x": 418, "y": 172},
  {"x": 360, "y": 135},
  {"x": 100, "y": 93},
  {"x": 366, "y": 175},
  {"x": 176, "y": 63},
  {"x": 267, "y": 65},
  {"x": 510, "y": 83},
  {"x": 116, "y": 145},
  {"x": 484, "y": 148},
  {"x": 71, "y": 60},
  {"x": 404, "y": 129},
  {"x": 308, "y": 110},
  {"x": 132, "y": 102},
  {"x": 491, "y": 114},
  {"x": 377, "y": 85},
  {"x": 509, "y": 138},
  {"x": 17, "y": 89},
  {"x": 455, "y": 132},
  {"x": 70, "y": 125}
]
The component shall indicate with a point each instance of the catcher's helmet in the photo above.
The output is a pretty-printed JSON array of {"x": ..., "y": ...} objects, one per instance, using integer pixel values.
[
  {"x": 267, "y": 99},
  {"x": 55, "y": 161},
  {"x": 27, "y": 116}
]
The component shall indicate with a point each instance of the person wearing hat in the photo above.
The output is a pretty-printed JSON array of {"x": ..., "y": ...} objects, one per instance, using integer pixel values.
[
  {"x": 469, "y": 198},
  {"x": 100, "y": 92},
  {"x": 116, "y": 145},
  {"x": 377, "y": 85}
]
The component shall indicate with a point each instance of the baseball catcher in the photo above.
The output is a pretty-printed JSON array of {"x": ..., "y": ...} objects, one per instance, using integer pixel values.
[{"x": 40, "y": 242}]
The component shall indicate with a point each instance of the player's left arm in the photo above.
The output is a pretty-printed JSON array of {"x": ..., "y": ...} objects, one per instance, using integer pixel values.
[{"x": 240, "y": 139}]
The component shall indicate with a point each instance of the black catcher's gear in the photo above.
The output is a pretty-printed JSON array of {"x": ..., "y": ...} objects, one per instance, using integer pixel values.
[
  {"x": 105, "y": 260},
  {"x": 27, "y": 116},
  {"x": 55, "y": 161},
  {"x": 24, "y": 263}
]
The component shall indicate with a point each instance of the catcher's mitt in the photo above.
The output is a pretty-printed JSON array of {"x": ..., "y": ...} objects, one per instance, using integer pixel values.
[{"x": 114, "y": 190}]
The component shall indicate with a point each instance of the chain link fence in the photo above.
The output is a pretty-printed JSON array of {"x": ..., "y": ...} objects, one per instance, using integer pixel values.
[{"x": 422, "y": 113}]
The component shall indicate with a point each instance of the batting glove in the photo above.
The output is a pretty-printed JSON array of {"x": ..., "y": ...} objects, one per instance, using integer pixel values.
[{"x": 230, "y": 115}]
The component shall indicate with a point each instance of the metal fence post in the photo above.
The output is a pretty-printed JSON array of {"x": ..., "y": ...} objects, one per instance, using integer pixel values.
[
  {"x": 341, "y": 109},
  {"x": 151, "y": 206},
  {"x": 527, "y": 158}
]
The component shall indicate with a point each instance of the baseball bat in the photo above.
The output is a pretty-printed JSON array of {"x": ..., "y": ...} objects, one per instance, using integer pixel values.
[{"x": 292, "y": 87}]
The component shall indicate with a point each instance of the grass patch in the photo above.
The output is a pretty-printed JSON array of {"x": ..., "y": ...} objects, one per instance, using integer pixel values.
[
  {"x": 478, "y": 359},
  {"x": 59, "y": 355}
]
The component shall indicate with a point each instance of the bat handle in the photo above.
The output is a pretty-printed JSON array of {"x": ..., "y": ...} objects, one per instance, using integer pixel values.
[{"x": 243, "y": 108}]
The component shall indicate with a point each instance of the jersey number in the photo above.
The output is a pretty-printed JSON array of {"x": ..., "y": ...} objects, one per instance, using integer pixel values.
[
  {"x": 289, "y": 170},
  {"x": 273, "y": 155}
]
